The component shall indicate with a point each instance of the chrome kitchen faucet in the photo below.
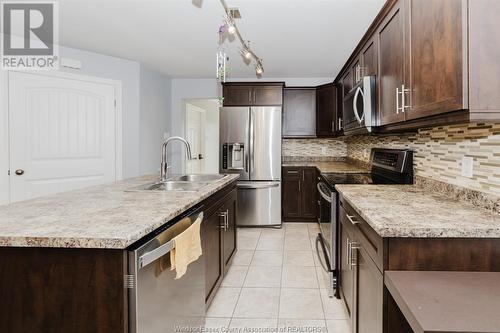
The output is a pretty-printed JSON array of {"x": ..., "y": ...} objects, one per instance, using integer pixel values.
[{"x": 164, "y": 164}]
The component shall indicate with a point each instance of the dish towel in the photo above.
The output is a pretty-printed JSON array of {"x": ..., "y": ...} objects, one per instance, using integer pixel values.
[{"x": 187, "y": 248}]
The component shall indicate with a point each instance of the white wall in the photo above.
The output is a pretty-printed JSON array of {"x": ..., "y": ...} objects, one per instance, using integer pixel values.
[
  {"x": 4, "y": 140},
  {"x": 155, "y": 101},
  {"x": 128, "y": 72},
  {"x": 184, "y": 89}
]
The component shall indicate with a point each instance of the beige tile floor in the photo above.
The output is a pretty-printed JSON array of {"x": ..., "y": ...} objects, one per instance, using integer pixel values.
[{"x": 276, "y": 285}]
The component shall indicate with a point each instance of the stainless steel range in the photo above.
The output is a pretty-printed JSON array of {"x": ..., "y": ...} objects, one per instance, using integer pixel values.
[{"x": 389, "y": 166}]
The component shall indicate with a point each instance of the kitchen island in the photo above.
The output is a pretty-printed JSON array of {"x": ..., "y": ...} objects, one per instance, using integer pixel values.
[
  {"x": 406, "y": 228},
  {"x": 64, "y": 258}
]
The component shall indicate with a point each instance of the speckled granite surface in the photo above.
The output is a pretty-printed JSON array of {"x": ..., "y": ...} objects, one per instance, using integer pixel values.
[
  {"x": 329, "y": 167},
  {"x": 413, "y": 211},
  {"x": 105, "y": 216}
]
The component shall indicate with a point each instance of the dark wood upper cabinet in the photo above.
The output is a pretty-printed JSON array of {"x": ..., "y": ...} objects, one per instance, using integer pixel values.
[
  {"x": 237, "y": 95},
  {"x": 299, "y": 112},
  {"x": 369, "y": 65},
  {"x": 435, "y": 62},
  {"x": 390, "y": 38},
  {"x": 346, "y": 83},
  {"x": 268, "y": 95},
  {"x": 327, "y": 116},
  {"x": 299, "y": 194},
  {"x": 435, "y": 53},
  {"x": 252, "y": 94}
]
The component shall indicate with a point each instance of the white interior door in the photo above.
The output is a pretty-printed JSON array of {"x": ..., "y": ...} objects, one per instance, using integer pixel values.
[
  {"x": 195, "y": 135},
  {"x": 62, "y": 134}
]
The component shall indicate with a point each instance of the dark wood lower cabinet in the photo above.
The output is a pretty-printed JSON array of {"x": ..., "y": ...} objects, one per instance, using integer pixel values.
[
  {"x": 299, "y": 197},
  {"x": 60, "y": 290},
  {"x": 219, "y": 241},
  {"x": 365, "y": 256}
]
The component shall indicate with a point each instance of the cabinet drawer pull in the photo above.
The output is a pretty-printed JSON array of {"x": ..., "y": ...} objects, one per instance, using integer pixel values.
[
  {"x": 292, "y": 172},
  {"x": 352, "y": 219}
]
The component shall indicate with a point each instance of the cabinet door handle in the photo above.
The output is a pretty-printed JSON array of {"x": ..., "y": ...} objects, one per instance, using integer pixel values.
[
  {"x": 225, "y": 224},
  {"x": 348, "y": 253},
  {"x": 303, "y": 176},
  {"x": 255, "y": 96},
  {"x": 340, "y": 124},
  {"x": 250, "y": 96},
  {"x": 404, "y": 91},
  {"x": 352, "y": 219},
  {"x": 397, "y": 100},
  {"x": 354, "y": 261}
]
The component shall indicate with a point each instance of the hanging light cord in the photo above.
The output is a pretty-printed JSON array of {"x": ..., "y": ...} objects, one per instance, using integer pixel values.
[{"x": 259, "y": 68}]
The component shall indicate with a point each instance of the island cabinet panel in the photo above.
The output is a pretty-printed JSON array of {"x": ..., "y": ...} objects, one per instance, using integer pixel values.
[
  {"x": 211, "y": 247},
  {"x": 219, "y": 236},
  {"x": 229, "y": 231},
  {"x": 62, "y": 290}
]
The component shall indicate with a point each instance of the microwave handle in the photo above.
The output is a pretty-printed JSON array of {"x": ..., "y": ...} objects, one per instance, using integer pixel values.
[{"x": 355, "y": 107}]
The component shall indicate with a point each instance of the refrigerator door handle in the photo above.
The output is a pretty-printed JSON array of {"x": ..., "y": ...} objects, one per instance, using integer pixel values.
[
  {"x": 257, "y": 185},
  {"x": 251, "y": 141}
]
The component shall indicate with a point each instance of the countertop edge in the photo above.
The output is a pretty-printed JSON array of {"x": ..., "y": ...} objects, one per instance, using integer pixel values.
[
  {"x": 425, "y": 231},
  {"x": 108, "y": 243}
]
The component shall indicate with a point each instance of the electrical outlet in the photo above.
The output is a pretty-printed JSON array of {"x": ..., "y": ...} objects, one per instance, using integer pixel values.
[
  {"x": 467, "y": 166},
  {"x": 323, "y": 150}
]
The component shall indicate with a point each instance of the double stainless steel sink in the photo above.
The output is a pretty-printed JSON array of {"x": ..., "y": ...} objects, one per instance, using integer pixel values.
[{"x": 183, "y": 183}]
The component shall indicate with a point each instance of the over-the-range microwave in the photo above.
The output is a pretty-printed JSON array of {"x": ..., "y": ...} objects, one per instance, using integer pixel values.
[{"x": 360, "y": 106}]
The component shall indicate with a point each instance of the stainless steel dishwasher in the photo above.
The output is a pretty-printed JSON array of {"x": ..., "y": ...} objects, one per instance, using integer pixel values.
[{"x": 158, "y": 302}]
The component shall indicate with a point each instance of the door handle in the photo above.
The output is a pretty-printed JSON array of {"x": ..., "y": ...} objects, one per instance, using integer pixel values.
[
  {"x": 355, "y": 105},
  {"x": 397, "y": 100},
  {"x": 351, "y": 219},
  {"x": 224, "y": 225},
  {"x": 354, "y": 261},
  {"x": 19, "y": 172},
  {"x": 404, "y": 91}
]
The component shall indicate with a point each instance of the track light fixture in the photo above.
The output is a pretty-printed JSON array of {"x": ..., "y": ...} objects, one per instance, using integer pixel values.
[{"x": 230, "y": 27}]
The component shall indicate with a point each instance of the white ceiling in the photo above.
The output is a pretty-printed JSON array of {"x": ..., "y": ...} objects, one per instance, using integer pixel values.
[{"x": 296, "y": 38}]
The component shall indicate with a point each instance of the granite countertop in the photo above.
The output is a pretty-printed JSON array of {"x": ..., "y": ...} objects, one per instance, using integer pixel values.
[
  {"x": 328, "y": 167},
  {"x": 104, "y": 216},
  {"x": 411, "y": 211}
]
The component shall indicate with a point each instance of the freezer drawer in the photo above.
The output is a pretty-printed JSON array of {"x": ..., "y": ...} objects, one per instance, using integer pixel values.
[{"x": 259, "y": 204}]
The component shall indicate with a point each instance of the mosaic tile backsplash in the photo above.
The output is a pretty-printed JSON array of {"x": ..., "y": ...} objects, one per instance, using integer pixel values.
[
  {"x": 439, "y": 151},
  {"x": 314, "y": 149}
]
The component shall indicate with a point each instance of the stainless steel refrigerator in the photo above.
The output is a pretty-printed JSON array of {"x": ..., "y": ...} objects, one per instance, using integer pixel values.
[{"x": 250, "y": 145}]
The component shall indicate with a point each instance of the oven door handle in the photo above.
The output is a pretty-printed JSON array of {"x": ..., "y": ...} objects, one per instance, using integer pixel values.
[
  {"x": 326, "y": 265},
  {"x": 323, "y": 194}
]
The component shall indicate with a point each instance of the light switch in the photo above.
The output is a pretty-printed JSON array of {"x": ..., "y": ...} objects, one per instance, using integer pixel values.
[{"x": 467, "y": 166}]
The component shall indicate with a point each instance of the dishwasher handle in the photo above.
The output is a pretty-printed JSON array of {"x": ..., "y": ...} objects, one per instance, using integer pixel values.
[{"x": 160, "y": 251}]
